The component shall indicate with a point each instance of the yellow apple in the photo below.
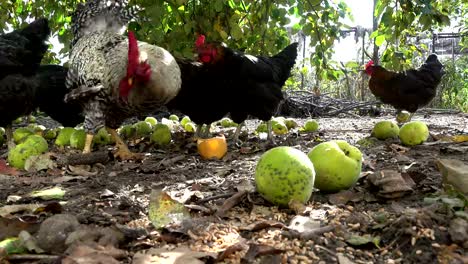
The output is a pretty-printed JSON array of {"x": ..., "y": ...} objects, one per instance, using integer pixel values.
[
  {"x": 414, "y": 133},
  {"x": 385, "y": 129}
]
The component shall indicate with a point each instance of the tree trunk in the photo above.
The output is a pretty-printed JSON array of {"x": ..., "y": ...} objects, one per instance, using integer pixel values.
[{"x": 375, "y": 24}]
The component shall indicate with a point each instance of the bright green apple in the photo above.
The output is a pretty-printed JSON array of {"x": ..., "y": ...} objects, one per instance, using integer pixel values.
[
  {"x": 414, "y": 133},
  {"x": 337, "y": 165},
  {"x": 310, "y": 126},
  {"x": 385, "y": 129},
  {"x": 284, "y": 174}
]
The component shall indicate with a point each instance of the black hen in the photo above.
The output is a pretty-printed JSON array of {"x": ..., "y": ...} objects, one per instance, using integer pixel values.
[
  {"x": 228, "y": 81},
  {"x": 24, "y": 84}
]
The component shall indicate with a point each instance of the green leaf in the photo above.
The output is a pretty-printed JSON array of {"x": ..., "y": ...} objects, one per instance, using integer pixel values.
[{"x": 379, "y": 40}]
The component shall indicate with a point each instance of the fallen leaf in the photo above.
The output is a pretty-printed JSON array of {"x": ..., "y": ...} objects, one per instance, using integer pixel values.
[
  {"x": 344, "y": 197},
  {"x": 29, "y": 242},
  {"x": 391, "y": 184},
  {"x": 11, "y": 246},
  {"x": 81, "y": 170},
  {"x": 69, "y": 179},
  {"x": 357, "y": 240},
  {"x": 232, "y": 250},
  {"x": 163, "y": 210},
  {"x": 454, "y": 173},
  {"x": 9, "y": 210},
  {"x": 180, "y": 255},
  {"x": 262, "y": 225},
  {"x": 55, "y": 193},
  {"x": 7, "y": 170},
  {"x": 11, "y": 227},
  {"x": 39, "y": 162},
  {"x": 84, "y": 254},
  {"x": 230, "y": 203}
]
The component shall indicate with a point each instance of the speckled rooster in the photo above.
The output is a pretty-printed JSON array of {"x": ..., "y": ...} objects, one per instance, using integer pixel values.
[{"x": 115, "y": 77}]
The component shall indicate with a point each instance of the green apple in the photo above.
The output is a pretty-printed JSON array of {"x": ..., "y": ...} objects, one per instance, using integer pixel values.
[
  {"x": 63, "y": 137},
  {"x": 153, "y": 121},
  {"x": 278, "y": 119},
  {"x": 142, "y": 128},
  {"x": 77, "y": 139},
  {"x": 184, "y": 120},
  {"x": 32, "y": 119},
  {"x": 190, "y": 127},
  {"x": 102, "y": 137},
  {"x": 280, "y": 128},
  {"x": 402, "y": 117},
  {"x": 161, "y": 135},
  {"x": 18, "y": 120},
  {"x": 50, "y": 134},
  {"x": 284, "y": 174},
  {"x": 385, "y": 129},
  {"x": 127, "y": 131},
  {"x": 174, "y": 118},
  {"x": 21, "y": 133},
  {"x": 227, "y": 122},
  {"x": 414, "y": 133},
  {"x": 310, "y": 126},
  {"x": 290, "y": 123},
  {"x": 18, "y": 155},
  {"x": 337, "y": 164},
  {"x": 262, "y": 128},
  {"x": 37, "y": 142}
]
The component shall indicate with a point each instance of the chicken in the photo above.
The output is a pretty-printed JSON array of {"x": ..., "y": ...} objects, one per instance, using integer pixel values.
[
  {"x": 228, "y": 81},
  {"x": 408, "y": 90},
  {"x": 114, "y": 77},
  {"x": 25, "y": 84}
]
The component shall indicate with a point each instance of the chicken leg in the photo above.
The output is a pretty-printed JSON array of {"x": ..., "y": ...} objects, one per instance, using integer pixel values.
[
  {"x": 270, "y": 136},
  {"x": 235, "y": 138},
  {"x": 9, "y": 136},
  {"x": 88, "y": 143},
  {"x": 123, "y": 153}
]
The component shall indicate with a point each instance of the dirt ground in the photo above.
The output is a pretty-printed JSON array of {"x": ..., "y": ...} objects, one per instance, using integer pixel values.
[{"x": 397, "y": 213}]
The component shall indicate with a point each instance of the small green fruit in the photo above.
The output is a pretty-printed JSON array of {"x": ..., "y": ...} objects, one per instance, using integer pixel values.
[
  {"x": 280, "y": 128},
  {"x": 153, "y": 121},
  {"x": 185, "y": 120},
  {"x": 311, "y": 126},
  {"x": 21, "y": 133},
  {"x": 142, "y": 129},
  {"x": 32, "y": 119},
  {"x": 63, "y": 137},
  {"x": 284, "y": 174},
  {"x": 102, "y": 137},
  {"x": 37, "y": 142},
  {"x": 385, "y": 129},
  {"x": 161, "y": 135},
  {"x": 337, "y": 164},
  {"x": 190, "y": 127},
  {"x": 174, "y": 118},
  {"x": 77, "y": 139},
  {"x": 262, "y": 128},
  {"x": 18, "y": 155},
  {"x": 227, "y": 122},
  {"x": 414, "y": 133},
  {"x": 402, "y": 117},
  {"x": 290, "y": 123},
  {"x": 50, "y": 134},
  {"x": 127, "y": 132},
  {"x": 18, "y": 120}
]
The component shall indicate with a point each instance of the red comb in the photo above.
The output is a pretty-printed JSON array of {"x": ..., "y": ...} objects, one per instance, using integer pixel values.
[
  {"x": 200, "y": 41},
  {"x": 133, "y": 53},
  {"x": 371, "y": 62}
]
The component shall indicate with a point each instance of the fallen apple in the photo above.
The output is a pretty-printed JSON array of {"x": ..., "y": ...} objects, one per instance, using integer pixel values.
[
  {"x": 337, "y": 164},
  {"x": 284, "y": 174},
  {"x": 262, "y": 128},
  {"x": 212, "y": 148},
  {"x": 310, "y": 126},
  {"x": 127, "y": 131},
  {"x": 153, "y": 121},
  {"x": 50, "y": 134},
  {"x": 63, "y": 137},
  {"x": 161, "y": 135},
  {"x": 102, "y": 137},
  {"x": 37, "y": 142},
  {"x": 77, "y": 139},
  {"x": 402, "y": 117},
  {"x": 21, "y": 133},
  {"x": 290, "y": 123},
  {"x": 279, "y": 128},
  {"x": 174, "y": 118},
  {"x": 184, "y": 120},
  {"x": 227, "y": 122},
  {"x": 414, "y": 133},
  {"x": 190, "y": 127},
  {"x": 385, "y": 129},
  {"x": 142, "y": 128}
]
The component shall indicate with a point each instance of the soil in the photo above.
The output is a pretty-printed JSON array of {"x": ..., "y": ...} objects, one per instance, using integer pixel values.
[{"x": 409, "y": 217}]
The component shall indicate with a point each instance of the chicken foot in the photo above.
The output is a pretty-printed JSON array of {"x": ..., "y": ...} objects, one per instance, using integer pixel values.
[
  {"x": 123, "y": 153},
  {"x": 9, "y": 136},
  {"x": 270, "y": 136},
  {"x": 88, "y": 143}
]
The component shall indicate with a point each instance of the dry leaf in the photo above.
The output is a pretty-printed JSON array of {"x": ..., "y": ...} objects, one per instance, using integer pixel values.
[
  {"x": 181, "y": 255},
  {"x": 455, "y": 173}
]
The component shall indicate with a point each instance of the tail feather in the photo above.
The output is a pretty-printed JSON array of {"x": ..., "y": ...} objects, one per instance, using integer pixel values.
[
  {"x": 287, "y": 59},
  {"x": 101, "y": 16}
]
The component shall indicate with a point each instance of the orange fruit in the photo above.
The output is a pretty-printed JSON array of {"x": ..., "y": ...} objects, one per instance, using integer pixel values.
[{"x": 210, "y": 148}]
